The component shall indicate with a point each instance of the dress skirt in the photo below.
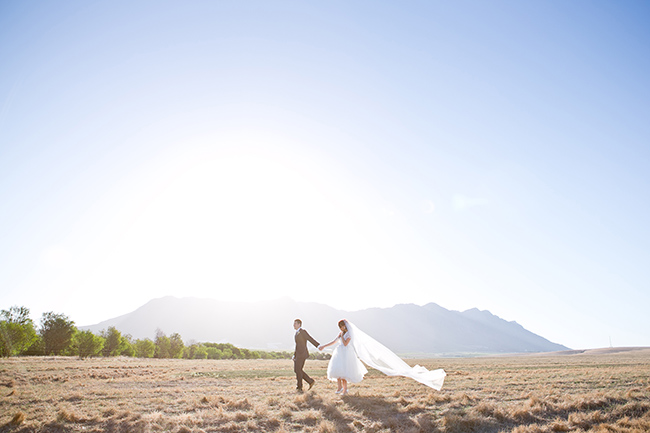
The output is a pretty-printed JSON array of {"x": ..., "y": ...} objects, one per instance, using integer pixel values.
[{"x": 344, "y": 364}]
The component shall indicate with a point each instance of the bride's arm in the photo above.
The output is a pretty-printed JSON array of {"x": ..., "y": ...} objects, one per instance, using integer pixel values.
[
  {"x": 346, "y": 341},
  {"x": 330, "y": 343}
]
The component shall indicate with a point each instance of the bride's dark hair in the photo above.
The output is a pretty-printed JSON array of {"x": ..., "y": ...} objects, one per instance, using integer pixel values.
[{"x": 344, "y": 325}]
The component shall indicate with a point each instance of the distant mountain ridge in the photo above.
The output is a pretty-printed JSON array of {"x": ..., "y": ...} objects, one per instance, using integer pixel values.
[{"x": 407, "y": 329}]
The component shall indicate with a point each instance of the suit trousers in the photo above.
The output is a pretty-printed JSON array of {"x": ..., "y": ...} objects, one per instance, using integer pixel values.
[{"x": 298, "y": 365}]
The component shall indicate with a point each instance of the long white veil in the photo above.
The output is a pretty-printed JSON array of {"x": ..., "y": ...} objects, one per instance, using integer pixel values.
[{"x": 378, "y": 356}]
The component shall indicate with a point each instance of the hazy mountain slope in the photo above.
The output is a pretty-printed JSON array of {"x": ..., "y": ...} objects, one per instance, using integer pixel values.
[{"x": 405, "y": 328}]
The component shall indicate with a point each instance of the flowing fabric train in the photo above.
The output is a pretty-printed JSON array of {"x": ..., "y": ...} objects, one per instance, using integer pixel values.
[{"x": 378, "y": 356}]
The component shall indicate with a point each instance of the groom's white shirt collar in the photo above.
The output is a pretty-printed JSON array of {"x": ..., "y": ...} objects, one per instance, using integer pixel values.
[{"x": 298, "y": 330}]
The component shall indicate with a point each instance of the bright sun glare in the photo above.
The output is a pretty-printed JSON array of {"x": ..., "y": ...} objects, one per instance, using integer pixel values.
[{"x": 242, "y": 226}]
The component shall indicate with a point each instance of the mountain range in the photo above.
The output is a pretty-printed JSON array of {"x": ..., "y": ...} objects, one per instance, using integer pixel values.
[{"x": 407, "y": 329}]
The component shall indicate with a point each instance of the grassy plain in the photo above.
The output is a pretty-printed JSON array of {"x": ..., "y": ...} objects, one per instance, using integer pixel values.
[{"x": 596, "y": 391}]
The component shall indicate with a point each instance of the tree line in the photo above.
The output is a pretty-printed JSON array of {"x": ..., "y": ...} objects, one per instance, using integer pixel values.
[{"x": 58, "y": 336}]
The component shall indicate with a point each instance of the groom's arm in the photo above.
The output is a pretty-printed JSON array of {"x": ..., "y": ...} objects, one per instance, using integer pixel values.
[{"x": 311, "y": 339}]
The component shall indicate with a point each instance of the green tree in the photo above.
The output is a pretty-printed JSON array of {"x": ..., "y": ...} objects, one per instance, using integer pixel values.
[
  {"x": 129, "y": 349},
  {"x": 249, "y": 354},
  {"x": 163, "y": 345},
  {"x": 37, "y": 348},
  {"x": 17, "y": 331},
  {"x": 115, "y": 344},
  {"x": 236, "y": 351},
  {"x": 213, "y": 353},
  {"x": 144, "y": 348},
  {"x": 190, "y": 350},
  {"x": 198, "y": 351},
  {"x": 88, "y": 344},
  {"x": 56, "y": 331},
  {"x": 176, "y": 346}
]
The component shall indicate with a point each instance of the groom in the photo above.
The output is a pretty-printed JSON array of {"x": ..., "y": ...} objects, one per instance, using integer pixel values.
[{"x": 301, "y": 354}]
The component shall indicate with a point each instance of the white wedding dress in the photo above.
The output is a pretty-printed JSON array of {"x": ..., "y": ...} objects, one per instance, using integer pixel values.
[
  {"x": 376, "y": 355},
  {"x": 344, "y": 363}
]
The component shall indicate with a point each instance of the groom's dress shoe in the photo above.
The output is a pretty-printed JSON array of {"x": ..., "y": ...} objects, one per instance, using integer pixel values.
[{"x": 311, "y": 385}]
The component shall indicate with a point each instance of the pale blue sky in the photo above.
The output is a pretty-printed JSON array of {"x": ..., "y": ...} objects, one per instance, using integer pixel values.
[{"x": 360, "y": 154}]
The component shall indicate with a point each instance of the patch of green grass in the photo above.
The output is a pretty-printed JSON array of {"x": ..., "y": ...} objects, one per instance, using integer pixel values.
[{"x": 244, "y": 374}]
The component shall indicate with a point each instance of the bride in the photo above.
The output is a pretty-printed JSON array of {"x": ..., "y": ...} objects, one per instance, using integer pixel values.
[
  {"x": 344, "y": 366},
  {"x": 356, "y": 345}
]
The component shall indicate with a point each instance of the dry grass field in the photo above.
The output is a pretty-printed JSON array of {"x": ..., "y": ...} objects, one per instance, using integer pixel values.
[{"x": 606, "y": 391}]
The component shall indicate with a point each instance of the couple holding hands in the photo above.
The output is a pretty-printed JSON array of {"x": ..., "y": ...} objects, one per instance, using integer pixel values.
[{"x": 354, "y": 346}]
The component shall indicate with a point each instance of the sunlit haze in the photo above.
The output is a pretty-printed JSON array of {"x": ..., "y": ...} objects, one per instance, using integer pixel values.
[{"x": 489, "y": 155}]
